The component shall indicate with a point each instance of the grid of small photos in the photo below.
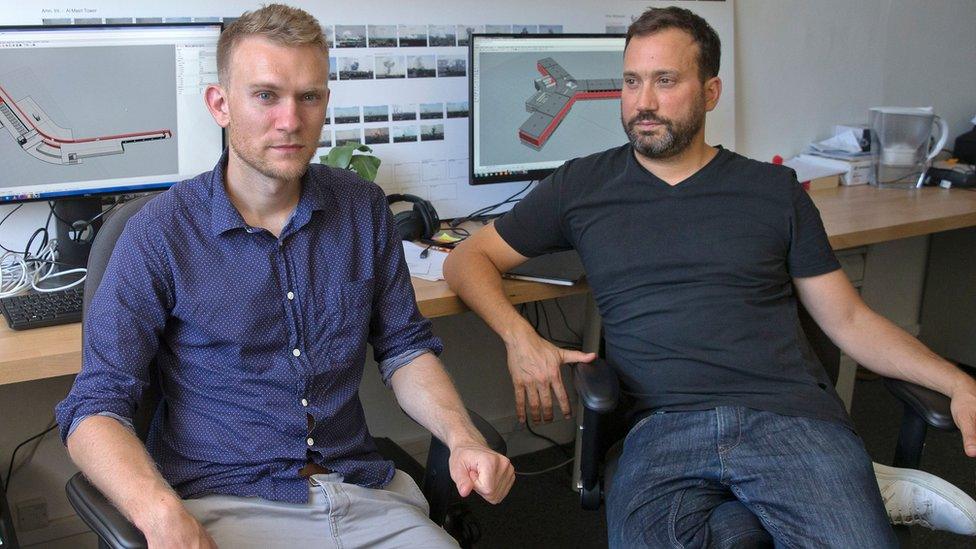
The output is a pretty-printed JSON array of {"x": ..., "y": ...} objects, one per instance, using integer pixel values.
[
  {"x": 413, "y": 122},
  {"x": 348, "y": 64},
  {"x": 351, "y": 59}
]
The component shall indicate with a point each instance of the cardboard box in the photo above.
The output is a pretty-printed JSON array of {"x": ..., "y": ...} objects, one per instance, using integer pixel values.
[
  {"x": 827, "y": 182},
  {"x": 859, "y": 171}
]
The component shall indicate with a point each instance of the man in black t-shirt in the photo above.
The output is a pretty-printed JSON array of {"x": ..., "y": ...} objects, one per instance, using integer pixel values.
[{"x": 693, "y": 253}]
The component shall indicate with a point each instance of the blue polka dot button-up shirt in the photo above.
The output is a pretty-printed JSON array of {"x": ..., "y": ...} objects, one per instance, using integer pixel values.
[{"x": 251, "y": 335}]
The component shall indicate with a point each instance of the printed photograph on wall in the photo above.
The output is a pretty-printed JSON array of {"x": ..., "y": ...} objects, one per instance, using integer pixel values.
[
  {"x": 350, "y": 36},
  {"x": 377, "y": 136},
  {"x": 343, "y": 137},
  {"x": 451, "y": 65},
  {"x": 431, "y": 111},
  {"x": 441, "y": 35},
  {"x": 413, "y": 35},
  {"x": 376, "y": 113},
  {"x": 346, "y": 115},
  {"x": 382, "y": 36},
  {"x": 421, "y": 66},
  {"x": 356, "y": 68},
  {"x": 406, "y": 111},
  {"x": 433, "y": 132},
  {"x": 458, "y": 109},
  {"x": 405, "y": 134},
  {"x": 390, "y": 66},
  {"x": 464, "y": 33}
]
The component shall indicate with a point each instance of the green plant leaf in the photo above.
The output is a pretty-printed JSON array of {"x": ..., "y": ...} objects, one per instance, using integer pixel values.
[
  {"x": 365, "y": 165},
  {"x": 339, "y": 157}
]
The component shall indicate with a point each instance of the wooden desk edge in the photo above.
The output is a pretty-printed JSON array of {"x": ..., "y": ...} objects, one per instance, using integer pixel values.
[
  {"x": 927, "y": 211},
  {"x": 434, "y": 299}
]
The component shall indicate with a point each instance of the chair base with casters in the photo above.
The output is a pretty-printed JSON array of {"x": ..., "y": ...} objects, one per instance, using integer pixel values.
[{"x": 116, "y": 532}]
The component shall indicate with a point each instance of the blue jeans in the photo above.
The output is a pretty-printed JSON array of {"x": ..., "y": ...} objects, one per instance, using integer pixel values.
[{"x": 734, "y": 477}]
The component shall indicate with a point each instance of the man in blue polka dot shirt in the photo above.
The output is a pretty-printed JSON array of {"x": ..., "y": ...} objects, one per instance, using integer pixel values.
[{"x": 253, "y": 291}]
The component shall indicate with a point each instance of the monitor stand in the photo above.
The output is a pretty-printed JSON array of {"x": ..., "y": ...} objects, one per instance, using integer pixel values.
[{"x": 75, "y": 236}]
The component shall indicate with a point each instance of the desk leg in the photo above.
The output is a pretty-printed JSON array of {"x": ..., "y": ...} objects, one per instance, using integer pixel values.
[
  {"x": 591, "y": 344},
  {"x": 8, "y": 538}
]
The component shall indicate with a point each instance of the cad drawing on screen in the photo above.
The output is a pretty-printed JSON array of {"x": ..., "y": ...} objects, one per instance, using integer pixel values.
[
  {"x": 556, "y": 91},
  {"x": 39, "y": 136}
]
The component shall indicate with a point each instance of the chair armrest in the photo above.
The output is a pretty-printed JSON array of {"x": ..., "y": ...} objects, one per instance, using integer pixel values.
[
  {"x": 438, "y": 487},
  {"x": 101, "y": 516},
  {"x": 492, "y": 436},
  {"x": 931, "y": 406},
  {"x": 599, "y": 390},
  {"x": 597, "y": 385}
]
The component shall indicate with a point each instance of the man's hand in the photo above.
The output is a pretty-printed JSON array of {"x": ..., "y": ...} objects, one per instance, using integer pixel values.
[
  {"x": 172, "y": 526},
  {"x": 475, "y": 467},
  {"x": 963, "y": 407},
  {"x": 535, "y": 367}
]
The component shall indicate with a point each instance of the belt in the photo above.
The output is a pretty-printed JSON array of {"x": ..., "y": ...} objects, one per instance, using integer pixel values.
[{"x": 312, "y": 468}]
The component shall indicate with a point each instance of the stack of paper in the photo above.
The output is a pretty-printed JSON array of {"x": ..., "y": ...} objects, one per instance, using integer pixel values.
[
  {"x": 428, "y": 267},
  {"x": 813, "y": 173}
]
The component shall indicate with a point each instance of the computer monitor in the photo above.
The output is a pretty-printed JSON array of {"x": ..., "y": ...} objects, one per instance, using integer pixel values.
[
  {"x": 538, "y": 100},
  {"x": 104, "y": 109}
]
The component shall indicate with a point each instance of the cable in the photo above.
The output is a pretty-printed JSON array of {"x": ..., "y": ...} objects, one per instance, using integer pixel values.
[
  {"x": 13, "y": 456},
  {"x": 566, "y": 321},
  {"x": 480, "y": 212},
  {"x": 528, "y": 426},
  {"x": 19, "y": 272},
  {"x": 79, "y": 226},
  {"x": 546, "y": 470},
  {"x": 10, "y": 213}
]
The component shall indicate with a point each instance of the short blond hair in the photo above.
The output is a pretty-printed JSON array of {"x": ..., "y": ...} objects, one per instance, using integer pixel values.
[{"x": 279, "y": 23}]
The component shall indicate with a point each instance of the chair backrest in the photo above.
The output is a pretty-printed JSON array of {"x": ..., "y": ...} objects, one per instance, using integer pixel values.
[
  {"x": 101, "y": 252},
  {"x": 104, "y": 243}
]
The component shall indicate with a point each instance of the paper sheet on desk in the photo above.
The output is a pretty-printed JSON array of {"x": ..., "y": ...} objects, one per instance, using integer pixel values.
[
  {"x": 808, "y": 168},
  {"x": 427, "y": 268}
]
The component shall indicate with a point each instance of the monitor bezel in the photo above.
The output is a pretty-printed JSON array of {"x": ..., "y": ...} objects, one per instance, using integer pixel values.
[
  {"x": 120, "y": 189},
  {"x": 509, "y": 177}
]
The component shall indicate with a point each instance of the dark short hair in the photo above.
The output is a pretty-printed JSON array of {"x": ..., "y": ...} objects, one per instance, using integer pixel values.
[{"x": 655, "y": 20}]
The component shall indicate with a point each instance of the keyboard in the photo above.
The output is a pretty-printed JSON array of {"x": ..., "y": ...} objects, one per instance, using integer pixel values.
[{"x": 40, "y": 309}]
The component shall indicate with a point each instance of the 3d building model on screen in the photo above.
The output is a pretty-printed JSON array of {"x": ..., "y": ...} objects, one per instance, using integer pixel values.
[
  {"x": 556, "y": 91},
  {"x": 40, "y": 137}
]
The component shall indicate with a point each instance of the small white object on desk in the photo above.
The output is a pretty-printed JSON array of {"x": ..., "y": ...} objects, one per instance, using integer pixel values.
[{"x": 426, "y": 262}]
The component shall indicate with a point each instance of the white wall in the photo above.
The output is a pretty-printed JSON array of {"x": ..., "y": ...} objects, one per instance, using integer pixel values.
[{"x": 802, "y": 66}]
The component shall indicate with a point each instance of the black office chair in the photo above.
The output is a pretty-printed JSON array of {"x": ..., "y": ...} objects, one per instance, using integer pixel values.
[
  {"x": 602, "y": 430},
  {"x": 115, "y": 531}
]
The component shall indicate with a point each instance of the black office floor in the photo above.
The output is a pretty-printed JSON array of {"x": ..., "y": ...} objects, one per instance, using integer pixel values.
[{"x": 542, "y": 511}]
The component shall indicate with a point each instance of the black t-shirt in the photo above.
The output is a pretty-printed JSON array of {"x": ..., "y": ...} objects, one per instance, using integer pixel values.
[{"x": 693, "y": 281}]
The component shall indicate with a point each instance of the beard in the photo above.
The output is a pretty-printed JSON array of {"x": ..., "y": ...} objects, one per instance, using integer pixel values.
[
  {"x": 674, "y": 135},
  {"x": 250, "y": 153}
]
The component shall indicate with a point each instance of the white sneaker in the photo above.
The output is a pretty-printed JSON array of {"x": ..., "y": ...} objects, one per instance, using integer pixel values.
[{"x": 915, "y": 497}]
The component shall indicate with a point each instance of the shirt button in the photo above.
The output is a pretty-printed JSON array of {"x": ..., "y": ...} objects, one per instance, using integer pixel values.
[
  {"x": 296, "y": 352},
  {"x": 309, "y": 441},
  {"x": 304, "y": 403},
  {"x": 291, "y": 295}
]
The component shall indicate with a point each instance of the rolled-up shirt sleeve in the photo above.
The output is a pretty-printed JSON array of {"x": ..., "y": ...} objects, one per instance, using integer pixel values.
[
  {"x": 397, "y": 329},
  {"x": 121, "y": 331}
]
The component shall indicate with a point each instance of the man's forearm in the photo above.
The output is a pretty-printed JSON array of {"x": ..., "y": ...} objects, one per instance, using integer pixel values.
[
  {"x": 426, "y": 393},
  {"x": 881, "y": 346},
  {"x": 478, "y": 283},
  {"x": 116, "y": 463}
]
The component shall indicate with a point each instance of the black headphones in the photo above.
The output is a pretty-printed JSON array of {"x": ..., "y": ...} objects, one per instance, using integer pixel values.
[{"x": 418, "y": 223}]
